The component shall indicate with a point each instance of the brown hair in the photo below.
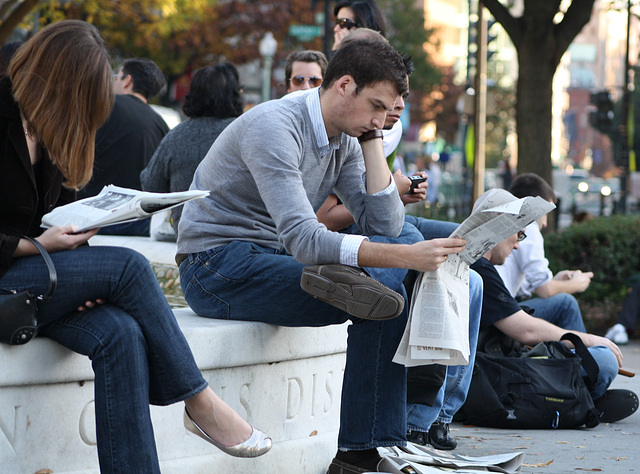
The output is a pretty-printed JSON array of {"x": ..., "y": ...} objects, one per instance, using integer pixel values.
[
  {"x": 61, "y": 80},
  {"x": 306, "y": 56}
]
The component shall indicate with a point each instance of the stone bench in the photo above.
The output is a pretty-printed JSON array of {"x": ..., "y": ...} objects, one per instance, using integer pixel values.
[{"x": 286, "y": 381}]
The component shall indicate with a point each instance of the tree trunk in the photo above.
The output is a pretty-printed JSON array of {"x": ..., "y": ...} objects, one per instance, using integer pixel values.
[{"x": 533, "y": 109}]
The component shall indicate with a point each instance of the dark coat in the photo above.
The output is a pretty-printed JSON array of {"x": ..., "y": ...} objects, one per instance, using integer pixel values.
[{"x": 20, "y": 205}]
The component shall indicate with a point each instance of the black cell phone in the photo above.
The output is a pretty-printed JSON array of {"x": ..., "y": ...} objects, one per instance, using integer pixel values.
[{"x": 415, "y": 181}]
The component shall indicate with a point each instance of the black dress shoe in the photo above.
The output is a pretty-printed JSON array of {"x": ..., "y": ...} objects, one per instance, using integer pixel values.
[
  {"x": 439, "y": 437},
  {"x": 616, "y": 404},
  {"x": 351, "y": 290}
]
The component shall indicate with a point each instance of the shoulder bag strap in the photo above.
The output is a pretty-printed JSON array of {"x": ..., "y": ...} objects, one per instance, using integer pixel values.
[
  {"x": 588, "y": 362},
  {"x": 53, "y": 276}
]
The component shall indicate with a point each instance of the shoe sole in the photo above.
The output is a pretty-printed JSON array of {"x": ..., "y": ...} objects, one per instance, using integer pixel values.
[
  {"x": 362, "y": 296},
  {"x": 616, "y": 404}
]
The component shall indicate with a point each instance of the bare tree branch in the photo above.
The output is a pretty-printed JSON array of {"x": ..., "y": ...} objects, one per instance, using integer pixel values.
[{"x": 15, "y": 16}]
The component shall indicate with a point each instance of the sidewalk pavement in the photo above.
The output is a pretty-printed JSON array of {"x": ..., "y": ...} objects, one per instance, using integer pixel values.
[{"x": 609, "y": 447}]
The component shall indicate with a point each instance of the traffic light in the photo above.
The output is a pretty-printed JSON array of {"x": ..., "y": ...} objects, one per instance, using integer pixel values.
[{"x": 602, "y": 118}]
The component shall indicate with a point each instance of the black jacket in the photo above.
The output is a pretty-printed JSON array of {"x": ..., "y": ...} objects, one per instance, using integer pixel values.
[{"x": 19, "y": 199}]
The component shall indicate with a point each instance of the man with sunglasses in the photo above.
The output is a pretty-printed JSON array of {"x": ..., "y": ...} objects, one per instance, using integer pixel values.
[
  {"x": 304, "y": 70},
  {"x": 243, "y": 249},
  {"x": 501, "y": 310}
]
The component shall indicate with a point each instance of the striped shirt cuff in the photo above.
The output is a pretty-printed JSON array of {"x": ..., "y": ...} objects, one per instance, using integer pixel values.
[{"x": 349, "y": 249}]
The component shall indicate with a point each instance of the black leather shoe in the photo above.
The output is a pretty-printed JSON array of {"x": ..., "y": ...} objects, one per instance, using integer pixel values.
[
  {"x": 439, "y": 437},
  {"x": 351, "y": 290},
  {"x": 616, "y": 404},
  {"x": 418, "y": 437}
]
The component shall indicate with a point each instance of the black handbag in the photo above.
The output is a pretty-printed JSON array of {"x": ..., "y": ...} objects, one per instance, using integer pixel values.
[{"x": 19, "y": 311}]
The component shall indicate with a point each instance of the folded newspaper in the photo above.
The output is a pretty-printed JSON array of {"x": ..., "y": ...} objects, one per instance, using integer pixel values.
[
  {"x": 116, "y": 205},
  {"x": 424, "y": 459},
  {"x": 437, "y": 331}
]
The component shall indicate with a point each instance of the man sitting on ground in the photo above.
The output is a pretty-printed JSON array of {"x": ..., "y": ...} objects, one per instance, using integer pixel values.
[{"x": 501, "y": 310}]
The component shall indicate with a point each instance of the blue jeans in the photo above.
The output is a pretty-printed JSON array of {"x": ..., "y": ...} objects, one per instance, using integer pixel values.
[
  {"x": 138, "y": 352},
  {"x": 245, "y": 281},
  {"x": 453, "y": 392},
  {"x": 563, "y": 311}
]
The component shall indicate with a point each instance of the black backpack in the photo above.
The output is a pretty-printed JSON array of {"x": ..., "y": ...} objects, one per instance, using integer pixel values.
[{"x": 541, "y": 387}]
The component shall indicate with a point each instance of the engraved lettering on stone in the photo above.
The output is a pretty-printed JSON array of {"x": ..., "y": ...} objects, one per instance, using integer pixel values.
[
  {"x": 87, "y": 424},
  {"x": 328, "y": 401},
  {"x": 15, "y": 436},
  {"x": 244, "y": 399},
  {"x": 294, "y": 397}
]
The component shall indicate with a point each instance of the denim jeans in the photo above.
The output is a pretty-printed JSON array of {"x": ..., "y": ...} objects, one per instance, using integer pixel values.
[
  {"x": 245, "y": 281},
  {"x": 453, "y": 392},
  {"x": 138, "y": 352},
  {"x": 563, "y": 311}
]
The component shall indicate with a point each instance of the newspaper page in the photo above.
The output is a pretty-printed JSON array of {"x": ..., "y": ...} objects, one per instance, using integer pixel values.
[
  {"x": 116, "y": 205},
  {"x": 425, "y": 459},
  {"x": 437, "y": 330}
]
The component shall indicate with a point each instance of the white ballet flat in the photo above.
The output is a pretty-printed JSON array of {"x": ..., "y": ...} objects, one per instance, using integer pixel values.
[{"x": 256, "y": 445}]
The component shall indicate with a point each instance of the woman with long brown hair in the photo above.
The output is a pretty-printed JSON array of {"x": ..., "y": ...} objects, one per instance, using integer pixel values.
[{"x": 108, "y": 304}]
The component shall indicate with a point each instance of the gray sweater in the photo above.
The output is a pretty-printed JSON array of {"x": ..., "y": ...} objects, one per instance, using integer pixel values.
[
  {"x": 175, "y": 160},
  {"x": 267, "y": 179}
]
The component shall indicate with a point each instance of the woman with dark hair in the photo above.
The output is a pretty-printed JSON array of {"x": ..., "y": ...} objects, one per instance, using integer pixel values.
[
  {"x": 108, "y": 304},
  {"x": 213, "y": 102},
  {"x": 352, "y": 14}
]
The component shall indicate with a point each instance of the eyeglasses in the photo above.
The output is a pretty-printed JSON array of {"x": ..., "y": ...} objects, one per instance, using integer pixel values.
[
  {"x": 315, "y": 81},
  {"x": 346, "y": 23},
  {"x": 521, "y": 236}
]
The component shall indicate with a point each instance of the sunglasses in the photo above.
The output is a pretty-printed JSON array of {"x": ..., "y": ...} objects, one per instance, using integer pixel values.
[
  {"x": 521, "y": 236},
  {"x": 345, "y": 23},
  {"x": 313, "y": 80}
]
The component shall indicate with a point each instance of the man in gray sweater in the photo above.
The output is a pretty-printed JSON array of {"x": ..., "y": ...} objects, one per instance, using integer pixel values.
[{"x": 243, "y": 249}]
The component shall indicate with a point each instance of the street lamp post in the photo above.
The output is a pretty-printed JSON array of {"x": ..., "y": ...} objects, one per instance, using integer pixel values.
[{"x": 268, "y": 46}]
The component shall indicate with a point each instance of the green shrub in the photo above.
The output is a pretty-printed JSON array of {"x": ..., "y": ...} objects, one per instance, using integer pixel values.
[{"x": 605, "y": 246}]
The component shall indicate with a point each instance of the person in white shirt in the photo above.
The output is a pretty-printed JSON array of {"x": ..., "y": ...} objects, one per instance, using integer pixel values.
[{"x": 526, "y": 272}]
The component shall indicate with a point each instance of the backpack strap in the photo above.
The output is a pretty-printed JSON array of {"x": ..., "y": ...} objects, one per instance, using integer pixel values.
[{"x": 588, "y": 362}]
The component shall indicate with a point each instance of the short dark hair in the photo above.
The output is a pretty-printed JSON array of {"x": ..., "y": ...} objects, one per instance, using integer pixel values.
[
  {"x": 530, "y": 184},
  {"x": 306, "y": 56},
  {"x": 368, "y": 61},
  {"x": 147, "y": 77},
  {"x": 215, "y": 92},
  {"x": 367, "y": 14}
]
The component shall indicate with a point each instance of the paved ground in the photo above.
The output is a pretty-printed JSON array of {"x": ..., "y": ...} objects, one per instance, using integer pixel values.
[{"x": 610, "y": 448}]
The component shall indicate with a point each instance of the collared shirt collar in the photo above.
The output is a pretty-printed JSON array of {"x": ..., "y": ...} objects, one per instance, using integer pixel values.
[{"x": 325, "y": 144}]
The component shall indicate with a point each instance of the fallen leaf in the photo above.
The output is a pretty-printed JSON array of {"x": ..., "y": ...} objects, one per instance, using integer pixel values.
[
  {"x": 562, "y": 442},
  {"x": 44, "y": 471},
  {"x": 581, "y": 447},
  {"x": 314, "y": 433},
  {"x": 581, "y": 457},
  {"x": 540, "y": 464}
]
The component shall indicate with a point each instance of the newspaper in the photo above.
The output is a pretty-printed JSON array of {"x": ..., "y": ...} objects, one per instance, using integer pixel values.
[
  {"x": 424, "y": 459},
  {"x": 116, "y": 205},
  {"x": 437, "y": 330}
]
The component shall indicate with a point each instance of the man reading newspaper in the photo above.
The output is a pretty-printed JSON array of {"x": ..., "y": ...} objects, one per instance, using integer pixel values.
[{"x": 442, "y": 331}]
